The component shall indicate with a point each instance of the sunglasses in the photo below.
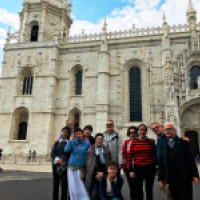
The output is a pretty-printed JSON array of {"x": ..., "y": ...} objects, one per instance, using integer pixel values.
[
  {"x": 109, "y": 124},
  {"x": 132, "y": 132},
  {"x": 155, "y": 128}
]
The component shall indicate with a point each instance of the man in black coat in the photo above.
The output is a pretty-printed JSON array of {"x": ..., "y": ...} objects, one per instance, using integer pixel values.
[{"x": 177, "y": 166}]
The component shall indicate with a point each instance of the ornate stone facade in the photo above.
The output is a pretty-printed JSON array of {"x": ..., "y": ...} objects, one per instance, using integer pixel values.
[{"x": 165, "y": 57}]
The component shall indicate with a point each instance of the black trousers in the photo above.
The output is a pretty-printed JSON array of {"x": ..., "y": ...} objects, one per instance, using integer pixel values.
[
  {"x": 180, "y": 190},
  {"x": 131, "y": 183},
  {"x": 144, "y": 173},
  {"x": 56, "y": 183},
  {"x": 94, "y": 189}
]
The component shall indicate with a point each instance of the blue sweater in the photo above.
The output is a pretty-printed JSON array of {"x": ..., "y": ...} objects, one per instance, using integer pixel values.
[
  {"x": 160, "y": 141},
  {"x": 116, "y": 188},
  {"x": 83, "y": 146}
]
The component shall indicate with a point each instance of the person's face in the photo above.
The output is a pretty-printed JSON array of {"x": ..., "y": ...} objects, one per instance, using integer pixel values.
[
  {"x": 157, "y": 129},
  {"x": 99, "y": 141},
  {"x": 87, "y": 132},
  {"x": 79, "y": 135},
  {"x": 142, "y": 132},
  {"x": 112, "y": 171},
  {"x": 64, "y": 134},
  {"x": 169, "y": 130},
  {"x": 133, "y": 134},
  {"x": 110, "y": 126},
  {"x": 70, "y": 124}
]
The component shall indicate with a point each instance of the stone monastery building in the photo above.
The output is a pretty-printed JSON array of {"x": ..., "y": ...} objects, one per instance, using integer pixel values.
[{"x": 133, "y": 76}]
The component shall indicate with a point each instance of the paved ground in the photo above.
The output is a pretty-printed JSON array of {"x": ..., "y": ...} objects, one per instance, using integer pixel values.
[{"x": 38, "y": 186}]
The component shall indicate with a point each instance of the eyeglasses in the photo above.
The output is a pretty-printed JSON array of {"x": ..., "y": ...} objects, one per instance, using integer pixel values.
[
  {"x": 155, "y": 128},
  {"x": 132, "y": 132},
  {"x": 109, "y": 124}
]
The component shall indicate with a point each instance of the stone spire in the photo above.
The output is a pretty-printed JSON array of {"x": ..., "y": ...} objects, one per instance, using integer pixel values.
[
  {"x": 191, "y": 7},
  {"x": 105, "y": 30},
  {"x": 191, "y": 16},
  {"x": 104, "y": 26},
  {"x": 164, "y": 18}
]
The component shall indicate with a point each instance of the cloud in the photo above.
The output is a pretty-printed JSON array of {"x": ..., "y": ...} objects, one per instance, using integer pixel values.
[
  {"x": 9, "y": 19},
  {"x": 146, "y": 13}
]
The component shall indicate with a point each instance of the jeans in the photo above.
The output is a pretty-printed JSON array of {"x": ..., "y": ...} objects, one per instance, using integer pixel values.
[
  {"x": 144, "y": 173},
  {"x": 113, "y": 198}
]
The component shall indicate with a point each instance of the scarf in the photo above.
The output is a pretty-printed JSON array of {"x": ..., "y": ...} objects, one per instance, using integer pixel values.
[{"x": 99, "y": 151}]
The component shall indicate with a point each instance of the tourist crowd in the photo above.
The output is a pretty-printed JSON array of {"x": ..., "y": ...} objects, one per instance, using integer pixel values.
[{"x": 88, "y": 167}]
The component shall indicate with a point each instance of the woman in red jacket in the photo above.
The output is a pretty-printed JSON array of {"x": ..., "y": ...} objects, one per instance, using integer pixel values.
[
  {"x": 132, "y": 133},
  {"x": 144, "y": 152}
]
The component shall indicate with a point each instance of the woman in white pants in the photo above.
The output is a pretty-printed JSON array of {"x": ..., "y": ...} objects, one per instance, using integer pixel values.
[{"x": 77, "y": 166}]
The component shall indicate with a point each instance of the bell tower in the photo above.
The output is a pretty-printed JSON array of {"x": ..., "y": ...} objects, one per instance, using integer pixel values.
[{"x": 43, "y": 20}]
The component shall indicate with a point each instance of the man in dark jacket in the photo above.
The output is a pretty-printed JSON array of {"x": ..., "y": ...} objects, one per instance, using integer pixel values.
[{"x": 177, "y": 166}]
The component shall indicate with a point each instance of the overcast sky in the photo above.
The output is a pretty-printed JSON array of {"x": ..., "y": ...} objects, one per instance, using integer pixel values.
[{"x": 120, "y": 15}]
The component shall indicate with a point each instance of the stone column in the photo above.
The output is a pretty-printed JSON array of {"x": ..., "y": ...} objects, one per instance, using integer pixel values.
[{"x": 102, "y": 105}]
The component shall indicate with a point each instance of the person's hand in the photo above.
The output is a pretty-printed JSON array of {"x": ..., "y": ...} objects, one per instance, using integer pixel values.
[
  {"x": 196, "y": 180},
  {"x": 72, "y": 137},
  {"x": 60, "y": 161},
  {"x": 132, "y": 174},
  {"x": 120, "y": 166},
  {"x": 99, "y": 176},
  {"x": 56, "y": 140},
  {"x": 186, "y": 139},
  {"x": 160, "y": 185}
]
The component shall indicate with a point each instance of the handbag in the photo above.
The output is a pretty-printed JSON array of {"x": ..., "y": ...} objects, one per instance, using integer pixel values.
[
  {"x": 59, "y": 170},
  {"x": 82, "y": 174}
]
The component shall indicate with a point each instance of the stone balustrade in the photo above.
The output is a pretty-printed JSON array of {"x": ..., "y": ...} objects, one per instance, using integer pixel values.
[{"x": 122, "y": 34}]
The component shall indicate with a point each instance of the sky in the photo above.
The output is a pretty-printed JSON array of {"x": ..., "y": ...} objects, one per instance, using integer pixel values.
[{"x": 90, "y": 14}]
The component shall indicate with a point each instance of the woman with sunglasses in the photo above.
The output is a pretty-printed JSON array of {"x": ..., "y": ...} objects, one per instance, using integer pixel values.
[
  {"x": 132, "y": 133},
  {"x": 143, "y": 150}
]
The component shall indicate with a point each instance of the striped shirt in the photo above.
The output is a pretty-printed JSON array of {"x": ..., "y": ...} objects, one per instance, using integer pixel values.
[{"x": 144, "y": 152}]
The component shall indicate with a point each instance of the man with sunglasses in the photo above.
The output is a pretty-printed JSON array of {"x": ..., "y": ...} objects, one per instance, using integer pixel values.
[{"x": 113, "y": 141}]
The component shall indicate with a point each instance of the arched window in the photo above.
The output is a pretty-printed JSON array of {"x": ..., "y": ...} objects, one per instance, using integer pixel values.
[
  {"x": 79, "y": 76},
  {"x": 194, "y": 74},
  {"x": 22, "y": 131},
  {"x": 34, "y": 33},
  {"x": 28, "y": 85},
  {"x": 135, "y": 94}
]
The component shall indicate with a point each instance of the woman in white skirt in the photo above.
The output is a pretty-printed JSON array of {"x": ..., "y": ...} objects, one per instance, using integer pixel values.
[{"x": 77, "y": 166}]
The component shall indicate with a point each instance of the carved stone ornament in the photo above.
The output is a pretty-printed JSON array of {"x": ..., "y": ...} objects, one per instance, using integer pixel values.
[{"x": 52, "y": 20}]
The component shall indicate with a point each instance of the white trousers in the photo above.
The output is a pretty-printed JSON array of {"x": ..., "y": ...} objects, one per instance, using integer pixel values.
[{"x": 76, "y": 186}]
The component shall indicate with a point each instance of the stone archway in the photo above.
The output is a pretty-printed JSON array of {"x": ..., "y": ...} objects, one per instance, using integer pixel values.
[
  {"x": 189, "y": 113},
  {"x": 76, "y": 115},
  {"x": 193, "y": 136}
]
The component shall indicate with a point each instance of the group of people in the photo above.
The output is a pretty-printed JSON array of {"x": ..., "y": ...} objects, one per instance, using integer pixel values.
[
  {"x": 89, "y": 167},
  {"x": 31, "y": 156}
]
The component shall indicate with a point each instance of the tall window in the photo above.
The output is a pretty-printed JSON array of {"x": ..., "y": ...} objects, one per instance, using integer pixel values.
[
  {"x": 22, "y": 131},
  {"x": 28, "y": 85},
  {"x": 79, "y": 76},
  {"x": 194, "y": 74},
  {"x": 135, "y": 94},
  {"x": 34, "y": 33}
]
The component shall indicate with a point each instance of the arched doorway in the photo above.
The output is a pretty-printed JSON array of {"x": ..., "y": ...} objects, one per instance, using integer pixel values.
[
  {"x": 22, "y": 131},
  {"x": 76, "y": 120},
  {"x": 194, "y": 141}
]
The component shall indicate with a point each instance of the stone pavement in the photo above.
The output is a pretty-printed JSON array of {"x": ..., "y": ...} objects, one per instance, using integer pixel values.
[{"x": 38, "y": 186}]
